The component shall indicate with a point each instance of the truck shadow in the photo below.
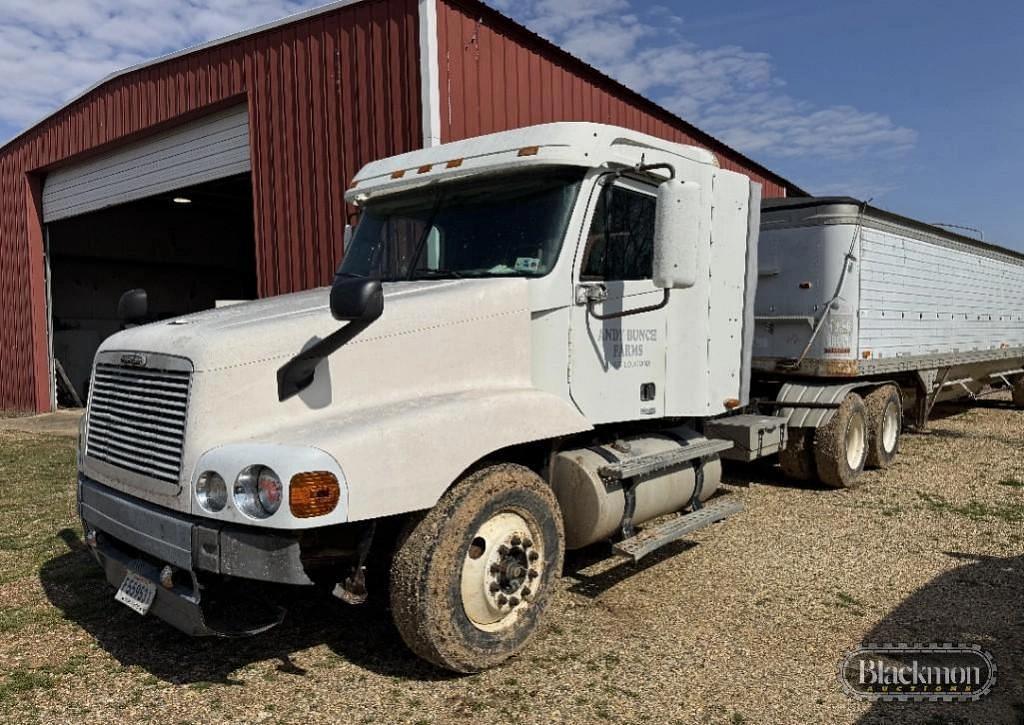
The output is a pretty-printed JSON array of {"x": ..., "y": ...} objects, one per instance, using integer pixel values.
[
  {"x": 977, "y": 603},
  {"x": 611, "y": 572},
  {"x": 364, "y": 636},
  {"x": 764, "y": 472}
]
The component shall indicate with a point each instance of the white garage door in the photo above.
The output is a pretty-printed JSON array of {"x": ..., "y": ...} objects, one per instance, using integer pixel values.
[{"x": 211, "y": 148}]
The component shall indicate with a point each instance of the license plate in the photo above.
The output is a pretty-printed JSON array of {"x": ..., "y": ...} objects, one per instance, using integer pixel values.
[{"x": 136, "y": 592}]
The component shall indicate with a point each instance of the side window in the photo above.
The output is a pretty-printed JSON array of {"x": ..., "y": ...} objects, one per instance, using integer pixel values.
[{"x": 620, "y": 245}]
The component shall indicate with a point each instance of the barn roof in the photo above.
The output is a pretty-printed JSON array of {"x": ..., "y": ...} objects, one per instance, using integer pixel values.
[{"x": 702, "y": 137}]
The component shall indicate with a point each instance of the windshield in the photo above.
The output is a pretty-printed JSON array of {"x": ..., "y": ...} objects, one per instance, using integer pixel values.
[{"x": 502, "y": 226}]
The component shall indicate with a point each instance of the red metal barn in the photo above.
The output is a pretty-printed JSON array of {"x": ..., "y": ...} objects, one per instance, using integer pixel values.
[{"x": 218, "y": 172}]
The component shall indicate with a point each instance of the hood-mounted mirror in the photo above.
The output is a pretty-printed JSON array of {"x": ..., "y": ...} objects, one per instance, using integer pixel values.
[{"x": 359, "y": 301}]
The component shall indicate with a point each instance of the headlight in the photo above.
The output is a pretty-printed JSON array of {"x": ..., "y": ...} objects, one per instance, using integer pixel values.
[
  {"x": 258, "y": 492},
  {"x": 211, "y": 492}
]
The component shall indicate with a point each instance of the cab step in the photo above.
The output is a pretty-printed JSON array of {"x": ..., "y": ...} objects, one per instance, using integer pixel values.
[
  {"x": 642, "y": 465},
  {"x": 651, "y": 539}
]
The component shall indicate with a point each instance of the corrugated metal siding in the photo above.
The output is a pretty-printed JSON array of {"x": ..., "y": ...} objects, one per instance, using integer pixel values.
[
  {"x": 921, "y": 298},
  {"x": 325, "y": 95},
  {"x": 212, "y": 147},
  {"x": 495, "y": 75}
]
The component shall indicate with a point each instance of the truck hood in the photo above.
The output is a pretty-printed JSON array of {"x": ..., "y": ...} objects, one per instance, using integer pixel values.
[
  {"x": 277, "y": 328},
  {"x": 435, "y": 338}
]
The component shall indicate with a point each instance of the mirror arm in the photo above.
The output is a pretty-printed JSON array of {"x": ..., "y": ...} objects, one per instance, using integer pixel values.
[
  {"x": 647, "y": 168},
  {"x": 609, "y": 177},
  {"x": 297, "y": 374},
  {"x": 627, "y": 313}
]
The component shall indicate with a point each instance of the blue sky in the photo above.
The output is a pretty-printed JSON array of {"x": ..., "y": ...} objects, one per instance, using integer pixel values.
[{"x": 919, "y": 105}]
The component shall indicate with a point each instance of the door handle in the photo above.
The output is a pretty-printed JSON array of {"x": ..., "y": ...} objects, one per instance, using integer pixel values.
[{"x": 591, "y": 295}]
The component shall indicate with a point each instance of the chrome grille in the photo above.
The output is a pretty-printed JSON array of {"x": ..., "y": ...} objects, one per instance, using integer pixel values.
[{"x": 137, "y": 419}]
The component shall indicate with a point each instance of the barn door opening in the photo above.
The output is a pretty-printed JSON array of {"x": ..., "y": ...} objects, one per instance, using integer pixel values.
[{"x": 191, "y": 249}]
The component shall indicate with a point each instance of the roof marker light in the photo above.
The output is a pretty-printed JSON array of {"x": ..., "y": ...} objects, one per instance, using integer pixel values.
[
  {"x": 424, "y": 169},
  {"x": 181, "y": 200},
  {"x": 455, "y": 163},
  {"x": 529, "y": 151},
  {"x": 398, "y": 174}
]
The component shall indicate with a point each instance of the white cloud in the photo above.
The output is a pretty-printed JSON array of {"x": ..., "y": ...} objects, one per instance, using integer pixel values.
[
  {"x": 732, "y": 93},
  {"x": 51, "y": 50}
]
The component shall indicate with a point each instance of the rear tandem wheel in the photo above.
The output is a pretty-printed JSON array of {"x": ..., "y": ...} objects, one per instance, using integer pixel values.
[
  {"x": 885, "y": 424},
  {"x": 841, "y": 445}
]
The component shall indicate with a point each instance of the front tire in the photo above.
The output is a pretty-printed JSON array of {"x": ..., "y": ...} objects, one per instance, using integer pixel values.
[
  {"x": 471, "y": 579},
  {"x": 885, "y": 424},
  {"x": 841, "y": 445}
]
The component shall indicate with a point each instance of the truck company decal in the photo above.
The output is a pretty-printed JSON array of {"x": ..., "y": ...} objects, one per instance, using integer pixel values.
[{"x": 627, "y": 347}]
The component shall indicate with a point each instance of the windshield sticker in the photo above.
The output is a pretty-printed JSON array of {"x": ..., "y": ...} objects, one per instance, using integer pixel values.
[{"x": 527, "y": 264}]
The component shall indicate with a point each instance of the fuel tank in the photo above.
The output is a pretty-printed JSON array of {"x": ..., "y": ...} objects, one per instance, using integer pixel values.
[{"x": 593, "y": 508}]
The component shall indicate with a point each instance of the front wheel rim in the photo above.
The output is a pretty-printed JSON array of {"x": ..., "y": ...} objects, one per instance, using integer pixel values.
[
  {"x": 855, "y": 445},
  {"x": 502, "y": 571}
]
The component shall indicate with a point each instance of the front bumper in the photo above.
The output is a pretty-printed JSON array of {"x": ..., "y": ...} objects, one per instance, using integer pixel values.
[{"x": 125, "y": 534}]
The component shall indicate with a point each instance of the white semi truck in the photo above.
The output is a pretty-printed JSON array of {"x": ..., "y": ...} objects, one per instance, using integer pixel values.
[{"x": 538, "y": 340}]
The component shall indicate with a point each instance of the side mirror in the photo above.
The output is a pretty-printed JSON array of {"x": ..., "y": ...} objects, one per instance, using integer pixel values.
[
  {"x": 357, "y": 299},
  {"x": 676, "y": 234},
  {"x": 133, "y": 306}
]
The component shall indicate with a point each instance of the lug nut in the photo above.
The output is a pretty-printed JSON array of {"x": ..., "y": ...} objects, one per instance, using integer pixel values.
[
  {"x": 503, "y": 550},
  {"x": 527, "y": 543},
  {"x": 502, "y": 601},
  {"x": 495, "y": 587},
  {"x": 495, "y": 569},
  {"x": 516, "y": 541},
  {"x": 513, "y": 602},
  {"x": 534, "y": 556},
  {"x": 525, "y": 591},
  {"x": 533, "y": 574}
]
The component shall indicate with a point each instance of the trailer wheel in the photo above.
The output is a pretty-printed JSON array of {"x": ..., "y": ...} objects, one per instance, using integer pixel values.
[
  {"x": 471, "y": 578},
  {"x": 797, "y": 458},
  {"x": 841, "y": 445},
  {"x": 885, "y": 423}
]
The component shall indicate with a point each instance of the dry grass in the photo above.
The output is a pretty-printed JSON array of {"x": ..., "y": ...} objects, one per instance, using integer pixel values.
[{"x": 744, "y": 623}]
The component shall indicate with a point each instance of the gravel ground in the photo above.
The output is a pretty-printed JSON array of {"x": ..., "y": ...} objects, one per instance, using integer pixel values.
[{"x": 743, "y": 623}]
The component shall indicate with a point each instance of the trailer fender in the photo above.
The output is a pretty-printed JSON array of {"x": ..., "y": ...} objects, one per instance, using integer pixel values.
[{"x": 813, "y": 405}]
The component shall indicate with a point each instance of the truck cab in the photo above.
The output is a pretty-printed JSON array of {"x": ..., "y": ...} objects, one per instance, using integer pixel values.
[{"x": 517, "y": 356}]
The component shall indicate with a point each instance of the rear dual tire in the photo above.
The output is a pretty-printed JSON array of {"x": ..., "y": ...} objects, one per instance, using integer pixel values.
[
  {"x": 797, "y": 458},
  {"x": 835, "y": 453},
  {"x": 841, "y": 445},
  {"x": 863, "y": 433},
  {"x": 885, "y": 424}
]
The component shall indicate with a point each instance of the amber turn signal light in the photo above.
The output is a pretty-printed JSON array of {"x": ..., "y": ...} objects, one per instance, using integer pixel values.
[{"x": 313, "y": 494}]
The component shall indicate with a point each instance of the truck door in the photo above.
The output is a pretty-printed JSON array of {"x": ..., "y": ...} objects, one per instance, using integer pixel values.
[{"x": 617, "y": 366}]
